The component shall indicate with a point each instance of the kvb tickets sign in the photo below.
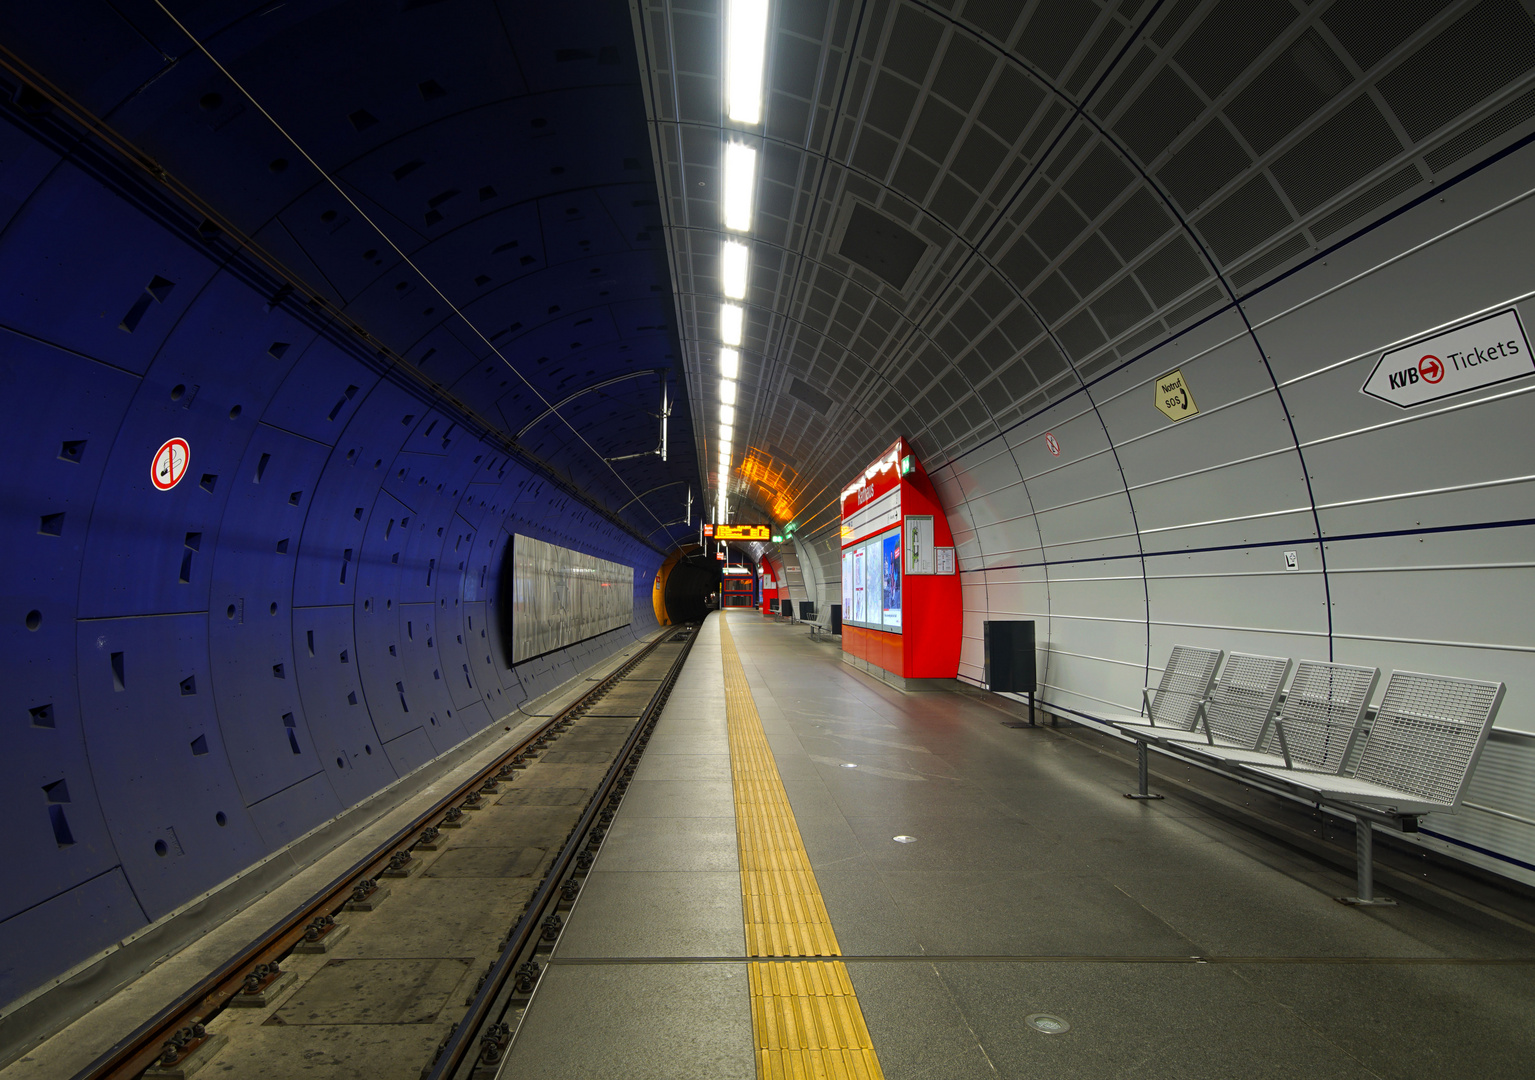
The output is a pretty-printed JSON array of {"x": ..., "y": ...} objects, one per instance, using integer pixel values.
[{"x": 1482, "y": 352}]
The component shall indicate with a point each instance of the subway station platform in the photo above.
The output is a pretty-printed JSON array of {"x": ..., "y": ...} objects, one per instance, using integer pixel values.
[{"x": 984, "y": 902}]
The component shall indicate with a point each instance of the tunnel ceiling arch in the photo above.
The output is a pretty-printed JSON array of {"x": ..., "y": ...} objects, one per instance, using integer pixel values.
[
  {"x": 968, "y": 212},
  {"x": 499, "y": 150}
]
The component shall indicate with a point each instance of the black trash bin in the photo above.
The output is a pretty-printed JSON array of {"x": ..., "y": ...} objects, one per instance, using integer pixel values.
[{"x": 1009, "y": 647}]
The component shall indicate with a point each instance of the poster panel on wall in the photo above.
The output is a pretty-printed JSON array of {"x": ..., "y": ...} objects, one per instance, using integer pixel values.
[
  {"x": 890, "y": 562},
  {"x": 920, "y": 558},
  {"x": 847, "y": 584},
  {"x": 860, "y": 593}
]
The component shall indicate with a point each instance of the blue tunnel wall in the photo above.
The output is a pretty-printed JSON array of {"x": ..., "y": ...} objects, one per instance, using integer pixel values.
[{"x": 197, "y": 677}]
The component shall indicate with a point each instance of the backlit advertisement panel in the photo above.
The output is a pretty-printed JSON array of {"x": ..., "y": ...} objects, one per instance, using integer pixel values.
[
  {"x": 890, "y": 568},
  {"x": 860, "y": 594}
]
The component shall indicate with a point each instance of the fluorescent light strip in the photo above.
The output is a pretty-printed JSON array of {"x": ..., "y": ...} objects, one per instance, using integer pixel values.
[
  {"x": 727, "y": 391},
  {"x": 730, "y": 364},
  {"x": 740, "y": 184},
  {"x": 727, "y": 432},
  {"x": 734, "y": 269},
  {"x": 727, "y": 414},
  {"x": 745, "y": 49},
  {"x": 730, "y": 324}
]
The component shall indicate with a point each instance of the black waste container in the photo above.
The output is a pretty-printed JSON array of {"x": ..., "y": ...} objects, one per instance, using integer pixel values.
[
  {"x": 1009, "y": 647},
  {"x": 806, "y": 611},
  {"x": 836, "y": 618}
]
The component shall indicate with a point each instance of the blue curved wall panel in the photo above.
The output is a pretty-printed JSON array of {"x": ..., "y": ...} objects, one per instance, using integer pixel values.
[{"x": 308, "y": 615}]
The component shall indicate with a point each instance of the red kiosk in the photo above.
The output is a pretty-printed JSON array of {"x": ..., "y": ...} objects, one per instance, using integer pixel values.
[{"x": 901, "y": 605}]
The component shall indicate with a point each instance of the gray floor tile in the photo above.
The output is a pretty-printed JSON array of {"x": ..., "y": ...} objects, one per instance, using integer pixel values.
[
  {"x": 637, "y": 1022},
  {"x": 685, "y": 843},
  {"x": 643, "y": 913}
]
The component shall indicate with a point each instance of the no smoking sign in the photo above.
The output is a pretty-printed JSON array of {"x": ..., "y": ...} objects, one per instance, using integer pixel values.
[{"x": 170, "y": 464}]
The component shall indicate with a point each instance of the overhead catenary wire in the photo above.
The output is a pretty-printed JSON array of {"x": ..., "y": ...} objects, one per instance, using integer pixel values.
[{"x": 404, "y": 258}]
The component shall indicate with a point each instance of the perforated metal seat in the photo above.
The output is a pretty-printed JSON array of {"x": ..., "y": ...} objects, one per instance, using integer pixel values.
[
  {"x": 1320, "y": 720},
  {"x": 1240, "y": 706},
  {"x": 1185, "y": 685},
  {"x": 1420, "y": 751}
]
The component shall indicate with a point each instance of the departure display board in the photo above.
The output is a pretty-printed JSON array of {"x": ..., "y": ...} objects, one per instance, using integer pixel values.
[{"x": 742, "y": 532}]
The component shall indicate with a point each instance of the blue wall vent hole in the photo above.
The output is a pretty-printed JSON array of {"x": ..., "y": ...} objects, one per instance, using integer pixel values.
[
  {"x": 277, "y": 672},
  {"x": 61, "y": 834},
  {"x": 282, "y": 546},
  {"x": 72, "y": 450},
  {"x": 294, "y": 497},
  {"x": 351, "y": 699},
  {"x": 208, "y": 481},
  {"x": 118, "y": 681},
  {"x": 266, "y": 459},
  {"x": 200, "y": 746},
  {"x": 344, "y": 658},
  {"x": 278, "y": 348},
  {"x": 42, "y": 716},
  {"x": 51, "y": 525},
  {"x": 188, "y": 685}
]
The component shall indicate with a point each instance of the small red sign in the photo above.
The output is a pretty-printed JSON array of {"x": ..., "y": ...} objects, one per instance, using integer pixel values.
[
  {"x": 1431, "y": 369},
  {"x": 1055, "y": 447},
  {"x": 170, "y": 464}
]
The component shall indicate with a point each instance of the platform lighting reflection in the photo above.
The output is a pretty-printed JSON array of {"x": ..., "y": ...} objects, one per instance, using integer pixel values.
[
  {"x": 745, "y": 50},
  {"x": 727, "y": 414},
  {"x": 740, "y": 183},
  {"x": 730, "y": 324},
  {"x": 730, "y": 364},
  {"x": 734, "y": 269},
  {"x": 728, "y": 391}
]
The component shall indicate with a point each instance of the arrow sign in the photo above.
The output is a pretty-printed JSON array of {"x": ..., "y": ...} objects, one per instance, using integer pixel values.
[{"x": 1482, "y": 352}]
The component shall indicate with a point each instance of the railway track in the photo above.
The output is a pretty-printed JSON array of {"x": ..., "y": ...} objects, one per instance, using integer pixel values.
[{"x": 419, "y": 961}]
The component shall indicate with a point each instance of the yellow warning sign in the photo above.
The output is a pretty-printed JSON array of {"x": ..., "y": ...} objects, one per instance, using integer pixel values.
[{"x": 1173, "y": 395}]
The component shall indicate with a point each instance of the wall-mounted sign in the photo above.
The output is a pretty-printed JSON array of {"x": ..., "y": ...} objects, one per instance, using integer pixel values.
[
  {"x": 170, "y": 463},
  {"x": 1482, "y": 352},
  {"x": 1173, "y": 397},
  {"x": 920, "y": 558},
  {"x": 743, "y": 532},
  {"x": 945, "y": 560},
  {"x": 1051, "y": 445}
]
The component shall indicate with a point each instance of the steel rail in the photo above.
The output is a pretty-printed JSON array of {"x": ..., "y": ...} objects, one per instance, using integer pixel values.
[
  {"x": 483, "y": 1028},
  {"x": 143, "y": 1047}
]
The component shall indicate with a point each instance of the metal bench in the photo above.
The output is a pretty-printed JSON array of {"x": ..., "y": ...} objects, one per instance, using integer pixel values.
[
  {"x": 1240, "y": 707},
  {"x": 1178, "y": 705},
  {"x": 822, "y": 625},
  {"x": 1426, "y": 738},
  {"x": 1318, "y": 724}
]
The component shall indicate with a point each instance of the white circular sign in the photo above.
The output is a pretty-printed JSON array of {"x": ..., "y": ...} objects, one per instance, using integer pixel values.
[{"x": 170, "y": 464}]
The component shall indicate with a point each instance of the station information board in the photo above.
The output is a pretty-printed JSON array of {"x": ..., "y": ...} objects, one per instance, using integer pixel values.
[{"x": 738, "y": 532}]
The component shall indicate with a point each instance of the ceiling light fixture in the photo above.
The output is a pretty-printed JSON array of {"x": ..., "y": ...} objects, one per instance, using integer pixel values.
[
  {"x": 740, "y": 183},
  {"x": 730, "y": 363},
  {"x": 728, "y": 391},
  {"x": 730, "y": 324},
  {"x": 735, "y": 269},
  {"x": 745, "y": 48},
  {"x": 727, "y": 414},
  {"x": 727, "y": 432}
]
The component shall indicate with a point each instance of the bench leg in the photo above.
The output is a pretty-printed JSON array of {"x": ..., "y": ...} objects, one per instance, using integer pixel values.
[
  {"x": 1140, "y": 769},
  {"x": 1364, "y": 855}
]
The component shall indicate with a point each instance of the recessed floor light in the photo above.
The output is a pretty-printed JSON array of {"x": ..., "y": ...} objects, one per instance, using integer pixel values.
[
  {"x": 849, "y": 765},
  {"x": 904, "y": 839},
  {"x": 1047, "y": 1024}
]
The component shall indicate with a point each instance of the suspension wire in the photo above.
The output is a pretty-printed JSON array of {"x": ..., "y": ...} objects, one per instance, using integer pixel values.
[{"x": 406, "y": 259}]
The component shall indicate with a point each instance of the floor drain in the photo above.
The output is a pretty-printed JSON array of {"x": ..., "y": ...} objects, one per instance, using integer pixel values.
[
  {"x": 1044, "y": 1022},
  {"x": 904, "y": 839}
]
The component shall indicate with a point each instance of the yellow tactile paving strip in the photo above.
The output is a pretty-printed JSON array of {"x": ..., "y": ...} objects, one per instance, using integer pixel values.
[{"x": 805, "y": 1016}]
